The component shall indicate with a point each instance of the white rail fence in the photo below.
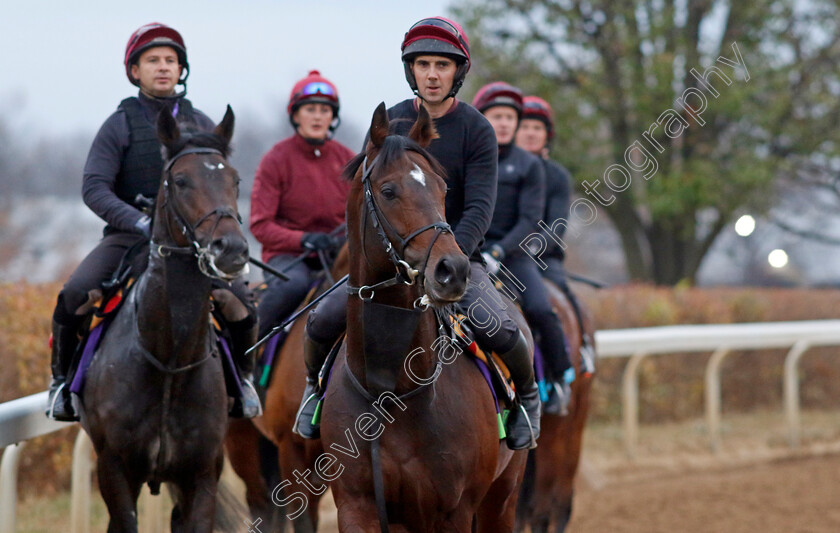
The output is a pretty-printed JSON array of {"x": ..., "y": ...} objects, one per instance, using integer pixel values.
[
  {"x": 720, "y": 340},
  {"x": 23, "y": 419}
]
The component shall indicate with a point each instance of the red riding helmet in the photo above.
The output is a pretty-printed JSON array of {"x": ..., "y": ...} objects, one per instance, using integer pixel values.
[
  {"x": 536, "y": 108},
  {"x": 149, "y": 36},
  {"x": 314, "y": 88},
  {"x": 437, "y": 36},
  {"x": 496, "y": 94}
]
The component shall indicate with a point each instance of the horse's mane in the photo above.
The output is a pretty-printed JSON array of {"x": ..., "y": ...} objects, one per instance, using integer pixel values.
[
  {"x": 394, "y": 147},
  {"x": 198, "y": 139}
]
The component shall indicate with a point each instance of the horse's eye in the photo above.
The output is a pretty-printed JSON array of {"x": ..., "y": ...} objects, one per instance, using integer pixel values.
[
  {"x": 181, "y": 182},
  {"x": 388, "y": 192}
]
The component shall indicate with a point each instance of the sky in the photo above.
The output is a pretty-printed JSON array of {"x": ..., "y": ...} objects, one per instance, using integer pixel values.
[{"x": 62, "y": 70}]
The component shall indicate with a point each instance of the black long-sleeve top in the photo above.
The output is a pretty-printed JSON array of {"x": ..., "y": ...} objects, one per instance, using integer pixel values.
[
  {"x": 520, "y": 200},
  {"x": 468, "y": 152},
  {"x": 558, "y": 192}
]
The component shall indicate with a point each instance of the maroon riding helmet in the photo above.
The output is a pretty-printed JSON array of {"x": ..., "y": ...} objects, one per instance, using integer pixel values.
[
  {"x": 498, "y": 93},
  {"x": 536, "y": 108},
  {"x": 437, "y": 36},
  {"x": 314, "y": 88},
  {"x": 149, "y": 36}
]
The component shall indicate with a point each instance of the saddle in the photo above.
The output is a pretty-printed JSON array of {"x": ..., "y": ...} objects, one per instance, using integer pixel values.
[
  {"x": 104, "y": 306},
  {"x": 110, "y": 300},
  {"x": 492, "y": 368}
]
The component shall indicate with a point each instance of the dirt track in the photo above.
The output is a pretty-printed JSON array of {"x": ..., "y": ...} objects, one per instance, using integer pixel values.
[{"x": 785, "y": 496}]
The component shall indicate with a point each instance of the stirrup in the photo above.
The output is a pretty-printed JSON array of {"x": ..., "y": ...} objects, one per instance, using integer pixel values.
[
  {"x": 559, "y": 399},
  {"x": 248, "y": 405},
  {"x": 533, "y": 443},
  {"x": 587, "y": 357},
  {"x": 64, "y": 414},
  {"x": 306, "y": 424},
  {"x": 521, "y": 412}
]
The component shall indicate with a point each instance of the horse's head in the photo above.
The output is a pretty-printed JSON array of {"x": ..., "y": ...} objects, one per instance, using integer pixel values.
[
  {"x": 196, "y": 204},
  {"x": 398, "y": 197}
]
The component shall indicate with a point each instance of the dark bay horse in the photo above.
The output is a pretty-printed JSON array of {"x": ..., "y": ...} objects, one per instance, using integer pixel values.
[
  {"x": 155, "y": 404},
  {"x": 546, "y": 500},
  {"x": 412, "y": 444}
]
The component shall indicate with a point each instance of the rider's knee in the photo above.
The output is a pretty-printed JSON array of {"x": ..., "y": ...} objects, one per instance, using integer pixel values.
[
  {"x": 73, "y": 303},
  {"x": 325, "y": 323}
]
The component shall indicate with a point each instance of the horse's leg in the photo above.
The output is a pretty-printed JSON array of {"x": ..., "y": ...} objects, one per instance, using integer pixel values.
[
  {"x": 562, "y": 515},
  {"x": 242, "y": 445},
  {"x": 356, "y": 515},
  {"x": 292, "y": 457},
  {"x": 120, "y": 493},
  {"x": 497, "y": 511},
  {"x": 195, "y": 510}
]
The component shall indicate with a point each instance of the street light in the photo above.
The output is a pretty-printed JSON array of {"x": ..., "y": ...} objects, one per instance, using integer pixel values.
[
  {"x": 745, "y": 226},
  {"x": 778, "y": 258}
]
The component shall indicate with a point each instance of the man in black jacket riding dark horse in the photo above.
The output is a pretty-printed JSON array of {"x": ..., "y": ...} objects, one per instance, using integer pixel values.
[{"x": 123, "y": 167}]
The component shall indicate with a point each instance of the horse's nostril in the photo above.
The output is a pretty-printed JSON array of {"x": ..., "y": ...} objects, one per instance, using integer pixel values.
[
  {"x": 229, "y": 246},
  {"x": 444, "y": 272},
  {"x": 219, "y": 245}
]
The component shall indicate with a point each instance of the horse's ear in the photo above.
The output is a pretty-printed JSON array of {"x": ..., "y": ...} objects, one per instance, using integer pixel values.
[
  {"x": 168, "y": 131},
  {"x": 423, "y": 132},
  {"x": 379, "y": 126},
  {"x": 225, "y": 127}
]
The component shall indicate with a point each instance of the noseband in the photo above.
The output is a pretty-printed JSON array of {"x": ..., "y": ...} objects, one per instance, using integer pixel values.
[
  {"x": 405, "y": 273},
  {"x": 205, "y": 261}
]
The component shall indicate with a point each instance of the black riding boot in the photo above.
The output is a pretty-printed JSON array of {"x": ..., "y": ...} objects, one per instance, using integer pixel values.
[
  {"x": 64, "y": 342},
  {"x": 314, "y": 355},
  {"x": 555, "y": 352},
  {"x": 523, "y": 424},
  {"x": 243, "y": 335}
]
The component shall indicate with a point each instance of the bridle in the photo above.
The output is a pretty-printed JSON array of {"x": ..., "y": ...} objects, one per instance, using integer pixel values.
[
  {"x": 405, "y": 273},
  {"x": 206, "y": 262}
]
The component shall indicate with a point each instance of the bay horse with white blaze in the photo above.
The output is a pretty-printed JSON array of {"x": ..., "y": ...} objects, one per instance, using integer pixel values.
[
  {"x": 412, "y": 445},
  {"x": 545, "y": 503},
  {"x": 154, "y": 403}
]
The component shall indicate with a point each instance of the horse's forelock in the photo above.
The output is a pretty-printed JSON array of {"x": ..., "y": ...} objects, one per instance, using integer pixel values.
[
  {"x": 198, "y": 139},
  {"x": 394, "y": 148},
  {"x": 352, "y": 166}
]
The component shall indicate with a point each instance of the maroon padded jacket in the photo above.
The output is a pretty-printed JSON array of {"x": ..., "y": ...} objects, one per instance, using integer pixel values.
[{"x": 298, "y": 188}]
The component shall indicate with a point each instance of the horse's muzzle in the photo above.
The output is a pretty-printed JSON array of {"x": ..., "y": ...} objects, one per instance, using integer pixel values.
[
  {"x": 229, "y": 254},
  {"x": 448, "y": 280}
]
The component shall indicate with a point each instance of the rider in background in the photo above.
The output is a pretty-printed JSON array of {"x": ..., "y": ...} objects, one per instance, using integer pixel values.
[
  {"x": 436, "y": 57},
  {"x": 536, "y": 130},
  {"x": 299, "y": 196},
  {"x": 520, "y": 201},
  {"x": 124, "y": 163}
]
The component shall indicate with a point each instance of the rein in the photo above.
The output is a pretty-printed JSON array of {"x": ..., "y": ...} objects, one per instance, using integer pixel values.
[
  {"x": 405, "y": 275},
  {"x": 201, "y": 253}
]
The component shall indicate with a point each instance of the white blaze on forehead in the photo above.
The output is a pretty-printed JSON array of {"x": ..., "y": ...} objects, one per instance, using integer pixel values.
[
  {"x": 211, "y": 166},
  {"x": 418, "y": 175}
]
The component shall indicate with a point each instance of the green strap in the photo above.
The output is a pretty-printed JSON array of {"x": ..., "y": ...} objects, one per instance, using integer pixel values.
[{"x": 316, "y": 417}]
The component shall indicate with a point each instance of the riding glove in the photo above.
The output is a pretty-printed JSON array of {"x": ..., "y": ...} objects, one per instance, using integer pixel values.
[{"x": 316, "y": 241}]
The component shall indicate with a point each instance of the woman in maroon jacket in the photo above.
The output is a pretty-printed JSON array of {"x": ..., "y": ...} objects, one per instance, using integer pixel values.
[{"x": 298, "y": 196}]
